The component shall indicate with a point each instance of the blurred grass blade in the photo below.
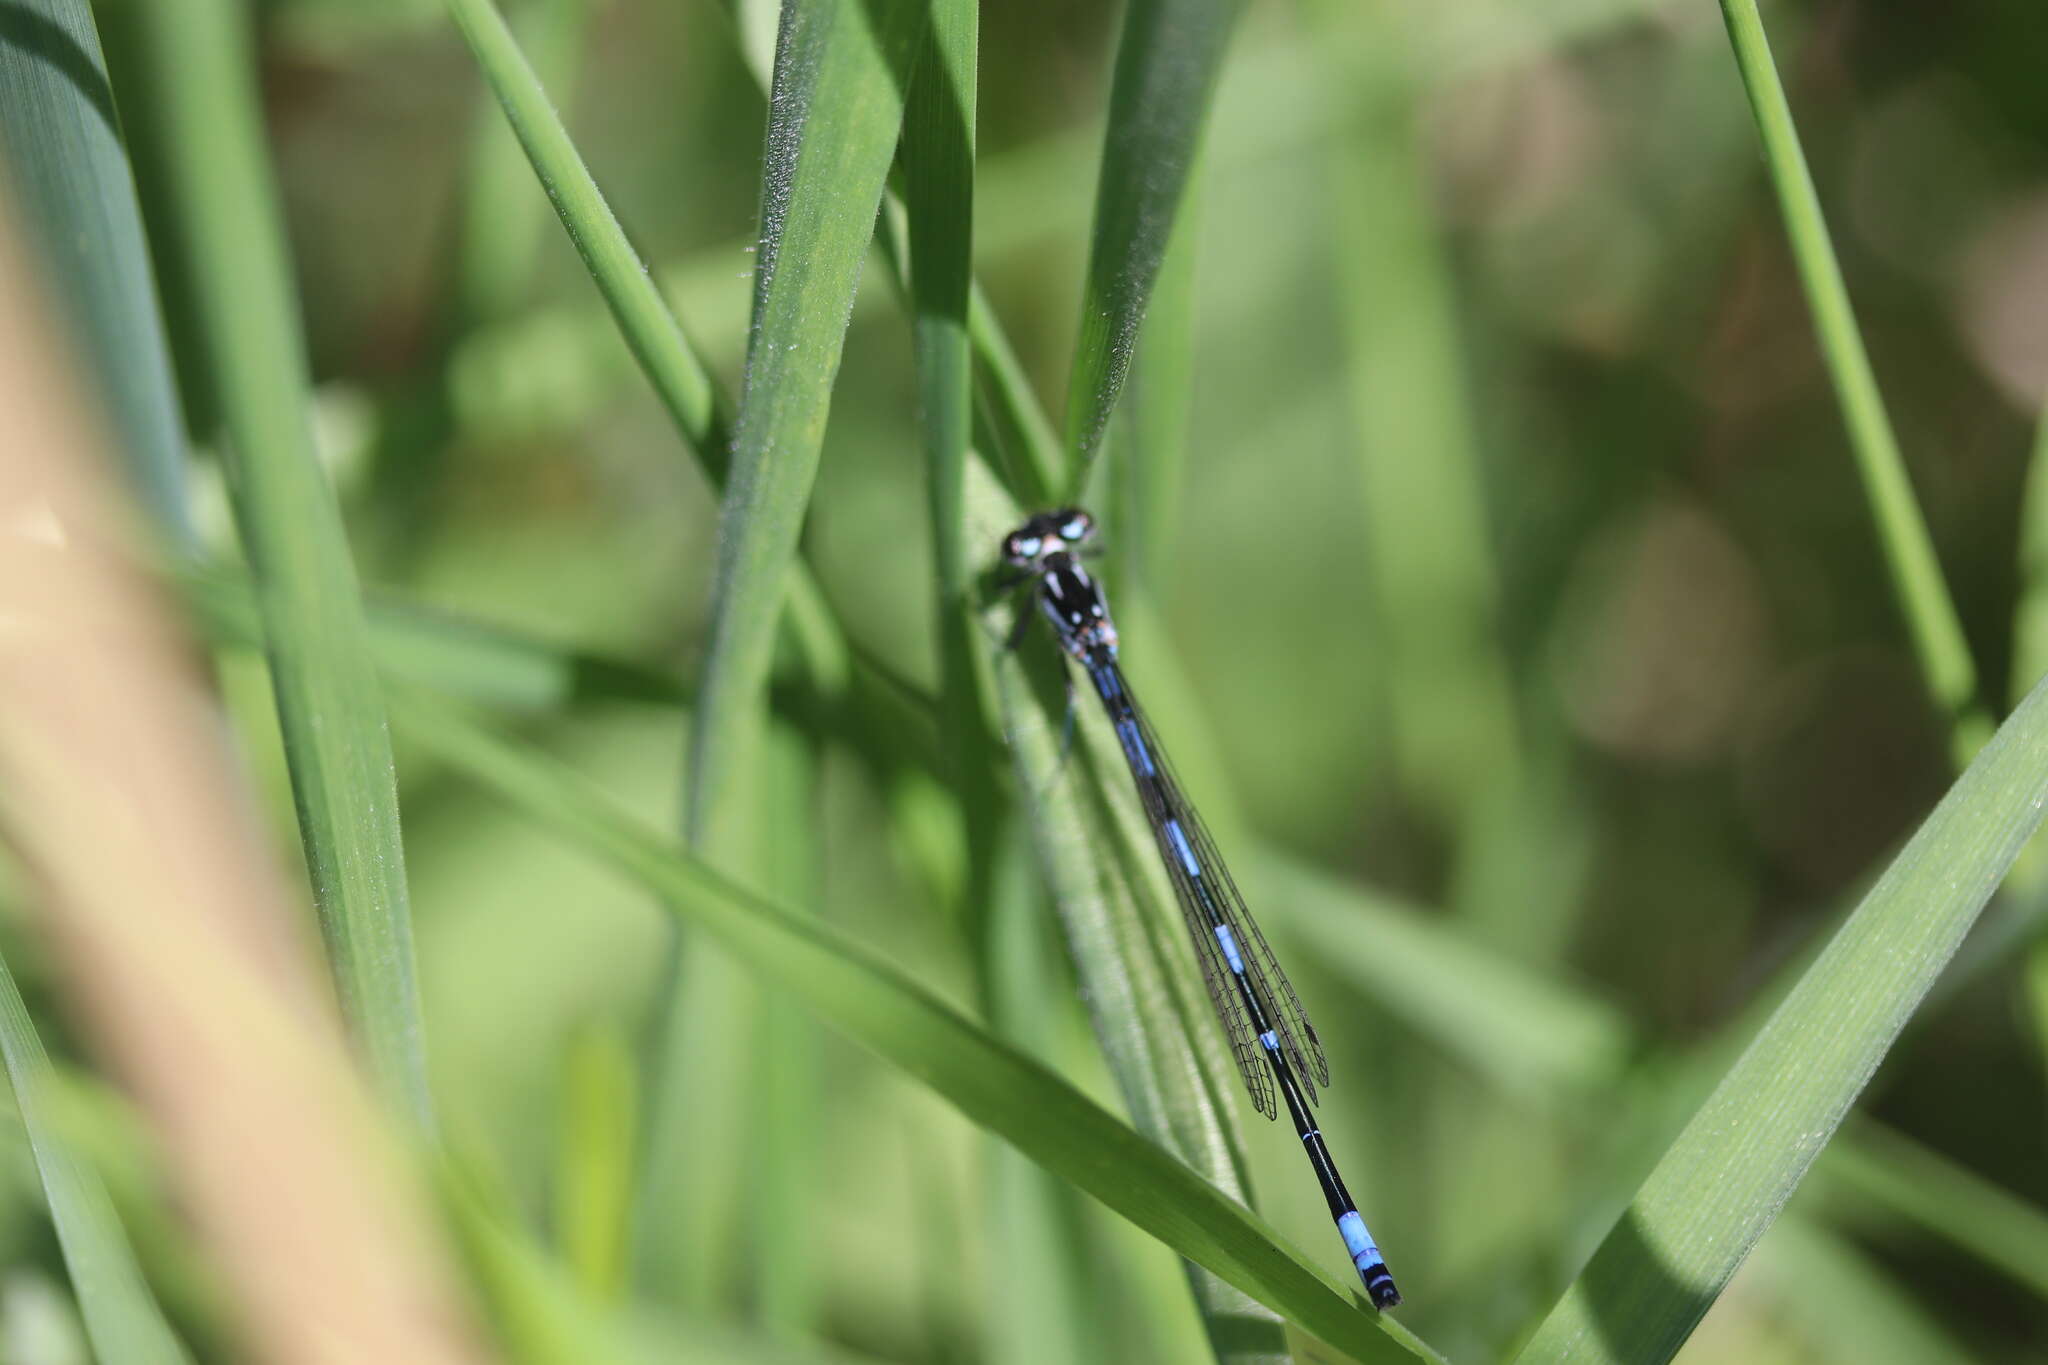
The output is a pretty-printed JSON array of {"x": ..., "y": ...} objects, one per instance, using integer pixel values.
[
  {"x": 1937, "y": 633},
  {"x": 594, "y": 1192},
  {"x": 200, "y": 70},
  {"x": 2030, "y": 615},
  {"x": 665, "y": 355},
  {"x": 1166, "y": 66},
  {"x": 1721, "y": 1183},
  {"x": 1037, "y": 1305},
  {"x": 1962, "y": 1208},
  {"x": 993, "y": 1084},
  {"x": 71, "y": 180},
  {"x": 500, "y": 234},
  {"x": 1432, "y": 573},
  {"x": 1841, "y": 1306},
  {"x": 786, "y": 1091},
  {"x": 121, "y": 1317},
  {"x": 450, "y": 653},
  {"x": 1530, "y": 1035}
]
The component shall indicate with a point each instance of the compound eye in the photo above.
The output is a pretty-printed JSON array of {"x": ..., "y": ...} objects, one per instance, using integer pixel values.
[
  {"x": 1076, "y": 526},
  {"x": 1021, "y": 548}
]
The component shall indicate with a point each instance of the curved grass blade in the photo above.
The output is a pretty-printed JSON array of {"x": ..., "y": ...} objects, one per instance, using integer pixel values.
[
  {"x": 1717, "y": 1188},
  {"x": 995, "y": 1085},
  {"x": 198, "y": 66},
  {"x": 121, "y": 1316},
  {"x": 659, "y": 345},
  {"x": 1166, "y": 66},
  {"x": 1937, "y": 633},
  {"x": 70, "y": 173},
  {"x": 842, "y": 67}
]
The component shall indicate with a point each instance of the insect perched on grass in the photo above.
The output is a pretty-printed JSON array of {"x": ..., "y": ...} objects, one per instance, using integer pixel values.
[{"x": 1275, "y": 1045}]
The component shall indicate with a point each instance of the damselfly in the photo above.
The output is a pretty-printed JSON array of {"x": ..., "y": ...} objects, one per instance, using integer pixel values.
[{"x": 1276, "y": 1047}]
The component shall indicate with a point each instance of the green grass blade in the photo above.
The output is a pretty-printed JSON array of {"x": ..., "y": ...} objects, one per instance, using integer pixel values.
[
  {"x": 1426, "y": 533},
  {"x": 1937, "y": 632},
  {"x": 1528, "y": 1033},
  {"x": 1166, "y": 67},
  {"x": 200, "y": 70},
  {"x": 71, "y": 182},
  {"x": 938, "y": 196},
  {"x": 835, "y": 114},
  {"x": 594, "y": 1190},
  {"x": 993, "y": 1084},
  {"x": 500, "y": 233},
  {"x": 1962, "y": 1208},
  {"x": 121, "y": 1316},
  {"x": 2030, "y": 615},
  {"x": 1721, "y": 1183},
  {"x": 1841, "y": 1306}
]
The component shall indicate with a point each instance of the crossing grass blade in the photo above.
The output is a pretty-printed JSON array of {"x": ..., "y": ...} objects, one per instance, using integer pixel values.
[
  {"x": 1937, "y": 632},
  {"x": 199, "y": 70},
  {"x": 1166, "y": 67},
  {"x": 841, "y": 71},
  {"x": 122, "y": 1318},
  {"x": 1718, "y": 1187},
  {"x": 74, "y": 191},
  {"x": 993, "y": 1084}
]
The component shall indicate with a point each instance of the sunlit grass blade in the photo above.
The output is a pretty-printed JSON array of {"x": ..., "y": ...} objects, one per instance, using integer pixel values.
[
  {"x": 199, "y": 70},
  {"x": 993, "y": 1084},
  {"x": 1937, "y": 632},
  {"x": 121, "y": 1316},
  {"x": 842, "y": 67},
  {"x": 72, "y": 189},
  {"x": 1718, "y": 1187},
  {"x": 1166, "y": 66}
]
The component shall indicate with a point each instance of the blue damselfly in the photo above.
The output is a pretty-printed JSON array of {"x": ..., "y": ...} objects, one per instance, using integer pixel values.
[{"x": 1276, "y": 1047}]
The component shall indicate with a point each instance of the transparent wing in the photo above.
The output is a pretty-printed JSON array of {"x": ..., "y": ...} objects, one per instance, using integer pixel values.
[{"x": 1208, "y": 898}]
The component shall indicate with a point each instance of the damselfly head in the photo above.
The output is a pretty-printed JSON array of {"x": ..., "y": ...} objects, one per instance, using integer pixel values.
[{"x": 1045, "y": 534}]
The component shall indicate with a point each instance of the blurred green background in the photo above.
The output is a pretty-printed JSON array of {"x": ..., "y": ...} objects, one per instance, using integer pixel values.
[{"x": 1519, "y": 575}]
